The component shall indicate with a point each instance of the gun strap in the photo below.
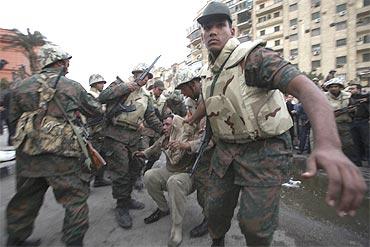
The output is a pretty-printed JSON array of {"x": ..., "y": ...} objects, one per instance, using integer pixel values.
[{"x": 78, "y": 135}]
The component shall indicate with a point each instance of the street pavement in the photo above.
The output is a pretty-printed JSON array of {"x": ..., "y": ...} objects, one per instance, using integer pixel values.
[{"x": 305, "y": 220}]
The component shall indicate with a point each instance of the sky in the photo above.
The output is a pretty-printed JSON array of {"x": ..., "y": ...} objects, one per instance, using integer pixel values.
[{"x": 108, "y": 37}]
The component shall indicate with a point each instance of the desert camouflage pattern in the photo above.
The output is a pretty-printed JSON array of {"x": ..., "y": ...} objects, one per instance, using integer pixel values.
[
  {"x": 340, "y": 102},
  {"x": 335, "y": 80},
  {"x": 121, "y": 141},
  {"x": 184, "y": 76},
  {"x": 255, "y": 170},
  {"x": 94, "y": 78},
  {"x": 140, "y": 67},
  {"x": 57, "y": 169},
  {"x": 49, "y": 54},
  {"x": 238, "y": 112},
  {"x": 175, "y": 103},
  {"x": 47, "y": 138}
]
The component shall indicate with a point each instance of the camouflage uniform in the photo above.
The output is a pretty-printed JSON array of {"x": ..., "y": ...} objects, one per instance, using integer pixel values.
[
  {"x": 121, "y": 141},
  {"x": 255, "y": 166},
  {"x": 343, "y": 122},
  {"x": 62, "y": 171}
]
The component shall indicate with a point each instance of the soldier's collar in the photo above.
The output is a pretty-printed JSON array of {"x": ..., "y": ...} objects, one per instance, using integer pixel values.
[{"x": 224, "y": 54}]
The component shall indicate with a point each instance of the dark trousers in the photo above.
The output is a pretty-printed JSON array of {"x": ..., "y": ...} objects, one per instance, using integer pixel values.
[
  {"x": 304, "y": 138},
  {"x": 360, "y": 136}
]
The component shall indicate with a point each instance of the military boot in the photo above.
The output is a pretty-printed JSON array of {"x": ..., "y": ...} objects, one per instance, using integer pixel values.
[
  {"x": 200, "y": 230},
  {"x": 122, "y": 213},
  {"x": 76, "y": 243},
  {"x": 218, "y": 242},
  {"x": 176, "y": 235},
  {"x": 133, "y": 204},
  {"x": 16, "y": 242}
]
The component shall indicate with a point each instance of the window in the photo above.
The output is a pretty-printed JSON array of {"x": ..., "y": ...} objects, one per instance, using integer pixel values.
[
  {"x": 341, "y": 25},
  {"x": 293, "y": 22},
  {"x": 293, "y": 7},
  {"x": 315, "y": 64},
  {"x": 341, "y": 7},
  {"x": 341, "y": 42},
  {"x": 277, "y": 42},
  {"x": 340, "y": 61},
  {"x": 366, "y": 57},
  {"x": 366, "y": 3},
  {"x": 315, "y": 15},
  {"x": 262, "y": 32},
  {"x": 315, "y": 32},
  {"x": 294, "y": 52},
  {"x": 276, "y": 28},
  {"x": 315, "y": 3},
  {"x": 262, "y": 19},
  {"x": 293, "y": 37},
  {"x": 316, "y": 48},
  {"x": 366, "y": 38},
  {"x": 276, "y": 14},
  {"x": 262, "y": 6}
]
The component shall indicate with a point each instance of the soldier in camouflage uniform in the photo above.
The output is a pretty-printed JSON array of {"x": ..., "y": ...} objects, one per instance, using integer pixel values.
[
  {"x": 122, "y": 138},
  {"x": 96, "y": 128},
  {"x": 189, "y": 84},
  {"x": 249, "y": 121},
  {"x": 47, "y": 152},
  {"x": 339, "y": 99}
]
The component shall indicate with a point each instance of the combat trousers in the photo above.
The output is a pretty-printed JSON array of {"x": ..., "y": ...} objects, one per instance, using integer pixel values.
[
  {"x": 178, "y": 185},
  {"x": 124, "y": 169},
  {"x": 258, "y": 212},
  {"x": 69, "y": 190},
  {"x": 347, "y": 143}
]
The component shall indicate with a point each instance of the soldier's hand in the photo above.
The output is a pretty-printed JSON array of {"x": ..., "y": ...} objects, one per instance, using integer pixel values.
[
  {"x": 173, "y": 145},
  {"x": 132, "y": 86},
  {"x": 346, "y": 186}
]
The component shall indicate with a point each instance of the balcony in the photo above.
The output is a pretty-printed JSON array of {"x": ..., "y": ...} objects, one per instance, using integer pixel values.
[
  {"x": 273, "y": 35},
  {"x": 195, "y": 35},
  {"x": 271, "y": 8},
  {"x": 363, "y": 10},
  {"x": 361, "y": 65},
  {"x": 362, "y": 46},
  {"x": 269, "y": 22},
  {"x": 241, "y": 6}
]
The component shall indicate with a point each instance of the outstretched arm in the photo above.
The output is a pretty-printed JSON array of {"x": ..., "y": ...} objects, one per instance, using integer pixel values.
[{"x": 346, "y": 186}]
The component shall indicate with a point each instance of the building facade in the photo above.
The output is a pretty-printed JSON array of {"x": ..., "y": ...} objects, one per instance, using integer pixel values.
[{"x": 315, "y": 35}]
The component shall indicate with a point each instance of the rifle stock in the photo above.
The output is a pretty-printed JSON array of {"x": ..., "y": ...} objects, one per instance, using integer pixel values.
[
  {"x": 96, "y": 159},
  {"x": 206, "y": 138}
]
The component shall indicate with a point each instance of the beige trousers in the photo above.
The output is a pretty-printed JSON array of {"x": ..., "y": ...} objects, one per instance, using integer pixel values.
[{"x": 178, "y": 185}]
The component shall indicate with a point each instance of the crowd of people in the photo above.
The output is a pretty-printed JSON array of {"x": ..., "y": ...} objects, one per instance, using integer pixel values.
[
  {"x": 236, "y": 98},
  {"x": 351, "y": 109}
]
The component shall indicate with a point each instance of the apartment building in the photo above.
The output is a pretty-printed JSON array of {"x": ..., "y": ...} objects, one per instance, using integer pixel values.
[{"x": 315, "y": 35}]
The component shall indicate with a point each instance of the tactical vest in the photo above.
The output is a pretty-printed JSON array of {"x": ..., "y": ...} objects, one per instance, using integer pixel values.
[
  {"x": 132, "y": 119},
  {"x": 340, "y": 102},
  {"x": 54, "y": 135},
  {"x": 159, "y": 103},
  {"x": 237, "y": 112}
]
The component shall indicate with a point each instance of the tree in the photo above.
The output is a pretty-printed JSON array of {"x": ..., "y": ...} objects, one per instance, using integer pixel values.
[{"x": 27, "y": 42}]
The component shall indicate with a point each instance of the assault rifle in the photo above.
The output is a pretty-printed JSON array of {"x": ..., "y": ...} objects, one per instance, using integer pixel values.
[
  {"x": 92, "y": 157},
  {"x": 118, "y": 106},
  {"x": 349, "y": 108},
  {"x": 206, "y": 139}
]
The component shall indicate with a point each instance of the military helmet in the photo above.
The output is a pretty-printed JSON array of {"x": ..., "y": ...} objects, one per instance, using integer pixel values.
[
  {"x": 184, "y": 76},
  {"x": 50, "y": 54},
  {"x": 159, "y": 84},
  {"x": 214, "y": 9},
  {"x": 95, "y": 78},
  {"x": 336, "y": 80},
  {"x": 140, "y": 68}
]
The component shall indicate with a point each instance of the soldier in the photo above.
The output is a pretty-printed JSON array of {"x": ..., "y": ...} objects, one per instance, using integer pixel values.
[
  {"x": 331, "y": 75},
  {"x": 122, "y": 138},
  {"x": 249, "y": 121},
  {"x": 48, "y": 153},
  {"x": 159, "y": 100},
  {"x": 339, "y": 99},
  {"x": 173, "y": 177},
  {"x": 190, "y": 86},
  {"x": 96, "y": 127}
]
